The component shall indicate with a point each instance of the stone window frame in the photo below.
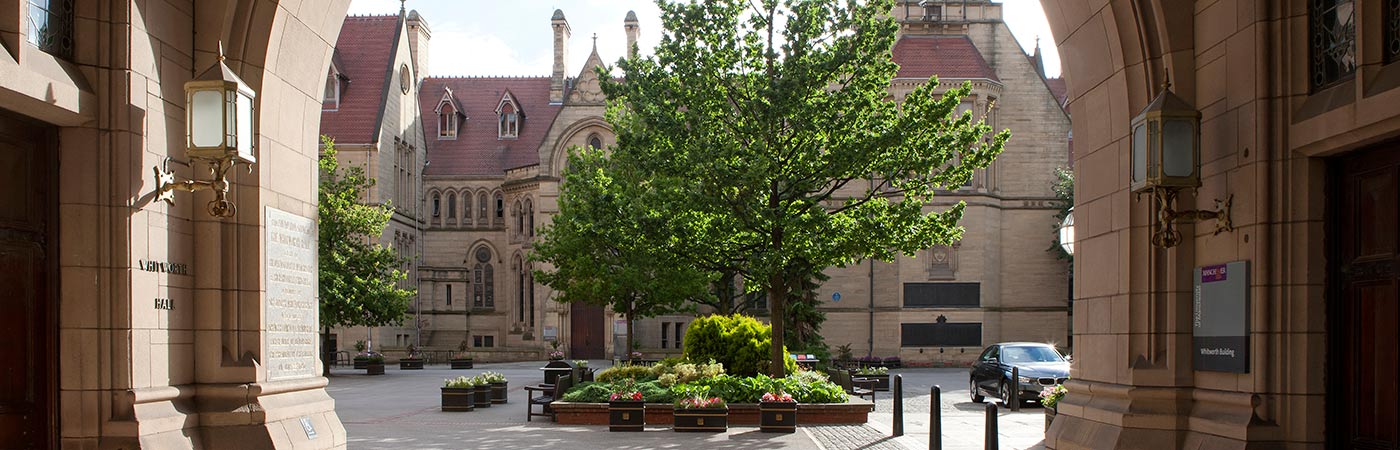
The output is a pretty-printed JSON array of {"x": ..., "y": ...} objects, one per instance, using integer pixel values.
[
  {"x": 510, "y": 118},
  {"x": 447, "y": 112}
]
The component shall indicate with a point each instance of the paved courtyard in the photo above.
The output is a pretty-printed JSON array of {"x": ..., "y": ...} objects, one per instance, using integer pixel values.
[{"x": 400, "y": 410}]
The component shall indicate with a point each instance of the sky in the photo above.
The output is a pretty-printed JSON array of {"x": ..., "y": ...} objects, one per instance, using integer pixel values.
[{"x": 513, "y": 37}]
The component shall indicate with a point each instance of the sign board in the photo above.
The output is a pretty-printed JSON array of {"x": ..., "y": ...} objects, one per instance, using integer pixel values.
[
  {"x": 620, "y": 327},
  {"x": 551, "y": 333},
  {"x": 308, "y": 427},
  {"x": 292, "y": 313},
  {"x": 836, "y": 296},
  {"x": 1220, "y": 318}
]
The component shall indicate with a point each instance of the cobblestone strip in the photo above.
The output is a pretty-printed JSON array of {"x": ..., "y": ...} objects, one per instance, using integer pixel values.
[{"x": 851, "y": 437}]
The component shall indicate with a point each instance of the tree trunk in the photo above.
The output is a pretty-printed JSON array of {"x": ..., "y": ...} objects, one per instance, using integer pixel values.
[
  {"x": 629, "y": 331},
  {"x": 777, "y": 292}
]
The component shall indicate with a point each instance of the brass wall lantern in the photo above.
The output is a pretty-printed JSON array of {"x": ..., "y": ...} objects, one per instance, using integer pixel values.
[
  {"x": 219, "y": 130},
  {"x": 1166, "y": 158}
]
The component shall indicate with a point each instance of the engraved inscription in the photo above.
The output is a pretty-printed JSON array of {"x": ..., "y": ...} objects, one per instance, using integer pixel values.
[
  {"x": 165, "y": 303},
  {"x": 292, "y": 315},
  {"x": 163, "y": 267}
]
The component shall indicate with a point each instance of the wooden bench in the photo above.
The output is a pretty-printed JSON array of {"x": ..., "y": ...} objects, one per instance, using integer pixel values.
[
  {"x": 860, "y": 387},
  {"x": 548, "y": 394}
]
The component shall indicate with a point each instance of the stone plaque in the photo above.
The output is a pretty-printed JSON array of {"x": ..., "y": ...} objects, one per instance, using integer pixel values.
[
  {"x": 1220, "y": 323},
  {"x": 292, "y": 313}
]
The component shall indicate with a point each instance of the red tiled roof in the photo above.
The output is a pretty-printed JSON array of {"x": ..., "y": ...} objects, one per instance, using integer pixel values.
[
  {"x": 1060, "y": 91},
  {"x": 477, "y": 149},
  {"x": 365, "y": 49},
  {"x": 945, "y": 56}
]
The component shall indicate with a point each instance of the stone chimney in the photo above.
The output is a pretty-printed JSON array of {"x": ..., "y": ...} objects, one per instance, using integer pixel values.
[
  {"x": 561, "y": 57},
  {"x": 630, "y": 25},
  {"x": 418, "y": 36}
]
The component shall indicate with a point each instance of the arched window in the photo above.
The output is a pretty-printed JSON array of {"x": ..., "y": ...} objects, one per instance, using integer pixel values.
[
  {"x": 530, "y": 213},
  {"x": 437, "y": 204},
  {"x": 500, "y": 208},
  {"x": 481, "y": 207},
  {"x": 509, "y": 115},
  {"x": 452, "y": 207},
  {"x": 466, "y": 208},
  {"x": 449, "y": 295},
  {"x": 483, "y": 290},
  {"x": 531, "y": 303},
  {"x": 520, "y": 309},
  {"x": 595, "y": 141},
  {"x": 519, "y": 218}
]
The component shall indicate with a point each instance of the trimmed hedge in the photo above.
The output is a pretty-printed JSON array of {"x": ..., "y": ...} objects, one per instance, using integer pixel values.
[
  {"x": 805, "y": 387},
  {"x": 741, "y": 343}
]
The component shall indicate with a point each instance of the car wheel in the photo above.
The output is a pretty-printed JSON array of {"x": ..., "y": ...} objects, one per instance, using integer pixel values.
[
  {"x": 1005, "y": 393},
  {"x": 976, "y": 394}
]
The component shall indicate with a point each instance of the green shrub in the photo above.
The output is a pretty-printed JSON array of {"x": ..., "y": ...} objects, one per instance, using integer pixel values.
[
  {"x": 611, "y": 374},
  {"x": 598, "y": 392},
  {"x": 740, "y": 343},
  {"x": 672, "y": 372}
]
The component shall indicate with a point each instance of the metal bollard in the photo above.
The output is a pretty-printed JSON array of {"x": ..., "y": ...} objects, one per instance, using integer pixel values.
[
  {"x": 935, "y": 419},
  {"x": 1015, "y": 397},
  {"x": 991, "y": 441},
  {"x": 898, "y": 405}
]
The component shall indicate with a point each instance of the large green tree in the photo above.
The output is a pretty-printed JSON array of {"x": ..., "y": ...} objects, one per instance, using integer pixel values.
[
  {"x": 358, "y": 275},
  {"x": 600, "y": 252},
  {"x": 763, "y": 120}
]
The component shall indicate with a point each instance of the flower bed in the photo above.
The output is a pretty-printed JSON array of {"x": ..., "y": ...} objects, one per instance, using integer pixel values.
[{"x": 854, "y": 411}]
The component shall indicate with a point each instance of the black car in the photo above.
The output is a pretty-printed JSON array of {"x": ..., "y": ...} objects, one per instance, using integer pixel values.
[{"x": 1039, "y": 365}]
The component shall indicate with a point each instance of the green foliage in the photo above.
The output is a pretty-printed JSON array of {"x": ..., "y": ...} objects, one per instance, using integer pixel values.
[
  {"x": 358, "y": 275},
  {"x": 1064, "y": 202},
  {"x": 671, "y": 372},
  {"x": 873, "y": 371},
  {"x": 1051, "y": 395},
  {"x": 625, "y": 371},
  {"x": 462, "y": 382},
  {"x": 752, "y": 130},
  {"x": 598, "y": 392},
  {"x": 493, "y": 377},
  {"x": 740, "y": 343},
  {"x": 843, "y": 351}
]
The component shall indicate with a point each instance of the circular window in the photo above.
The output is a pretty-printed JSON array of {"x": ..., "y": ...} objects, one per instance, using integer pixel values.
[
  {"x": 405, "y": 78},
  {"x": 483, "y": 255}
]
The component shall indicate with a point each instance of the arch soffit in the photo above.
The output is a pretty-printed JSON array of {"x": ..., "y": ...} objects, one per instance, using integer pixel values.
[{"x": 560, "y": 151}]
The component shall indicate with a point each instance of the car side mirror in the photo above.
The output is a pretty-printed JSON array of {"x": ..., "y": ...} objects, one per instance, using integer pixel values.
[{"x": 992, "y": 360}]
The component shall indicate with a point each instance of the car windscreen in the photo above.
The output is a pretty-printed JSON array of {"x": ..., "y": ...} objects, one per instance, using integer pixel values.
[{"x": 1030, "y": 355}]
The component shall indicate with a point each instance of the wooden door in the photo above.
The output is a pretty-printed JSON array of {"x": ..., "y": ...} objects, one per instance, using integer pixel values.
[
  {"x": 1365, "y": 227},
  {"x": 26, "y": 320},
  {"x": 587, "y": 332}
]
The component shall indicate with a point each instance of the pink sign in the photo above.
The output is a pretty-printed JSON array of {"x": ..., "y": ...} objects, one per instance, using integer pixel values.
[{"x": 1213, "y": 273}]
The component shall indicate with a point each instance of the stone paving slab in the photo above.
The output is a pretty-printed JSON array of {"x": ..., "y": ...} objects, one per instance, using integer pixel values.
[{"x": 401, "y": 410}]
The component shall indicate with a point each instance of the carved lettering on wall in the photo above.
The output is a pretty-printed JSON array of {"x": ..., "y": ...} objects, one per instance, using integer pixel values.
[
  {"x": 165, "y": 304},
  {"x": 291, "y": 309},
  {"x": 163, "y": 267}
]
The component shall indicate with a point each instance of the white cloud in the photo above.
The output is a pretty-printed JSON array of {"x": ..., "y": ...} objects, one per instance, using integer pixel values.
[{"x": 470, "y": 53}]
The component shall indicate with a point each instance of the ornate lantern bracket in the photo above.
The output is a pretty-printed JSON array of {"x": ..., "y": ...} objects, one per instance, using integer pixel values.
[
  {"x": 220, "y": 130},
  {"x": 1166, "y": 159}
]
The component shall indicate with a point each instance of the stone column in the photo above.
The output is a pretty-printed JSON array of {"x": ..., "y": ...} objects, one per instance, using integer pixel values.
[{"x": 561, "y": 57}]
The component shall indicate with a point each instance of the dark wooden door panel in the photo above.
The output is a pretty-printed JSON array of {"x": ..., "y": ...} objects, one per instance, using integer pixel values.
[
  {"x": 1365, "y": 326},
  {"x": 26, "y": 320},
  {"x": 586, "y": 331}
]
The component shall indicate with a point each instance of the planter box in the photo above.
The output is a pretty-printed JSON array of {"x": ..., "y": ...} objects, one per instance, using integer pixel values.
[
  {"x": 498, "y": 393},
  {"x": 585, "y": 375},
  {"x": 777, "y": 417},
  {"x": 625, "y": 415},
  {"x": 458, "y": 364},
  {"x": 411, "y": 364},
  {"x": 882, "y": 382},
  {"x": 360, "y": 363},
  {"x": 458, "y": 399},
  {"x": 854, "y": 411},
  {"x": 374, "y": 368},
  {"x": 482, "y": 396},
  {"x": 701, "y": 419},
  {"x": 1049, "y": 417}
]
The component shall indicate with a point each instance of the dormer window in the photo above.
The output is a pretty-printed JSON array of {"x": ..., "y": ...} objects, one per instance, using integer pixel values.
[
  {"x": 509, "y": 116},
  {"x": 449, "y": 116},
  {"x": 330, "y": 100}
]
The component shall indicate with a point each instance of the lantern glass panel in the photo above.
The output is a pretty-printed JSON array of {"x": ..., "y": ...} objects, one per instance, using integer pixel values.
[
  {"x": 244, "y": 138},
  {"x": 1179, "y": 148},
  {"x": 1140, "y": 153},
  {"x": 205, "y": 118}
]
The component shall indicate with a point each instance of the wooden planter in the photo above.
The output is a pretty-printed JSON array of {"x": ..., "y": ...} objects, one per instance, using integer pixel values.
[
  {"x": 461, "y": 363},
  {"x": 360, "y": 363},
  {"x": 777, "y": 417},
  {"x": 1049, "y": 417},
  {"x": 482, "y": 396},
  {"x": 625, "y": 415},
  {"x": 411, "y": 364},
  {"x": 373, "y": 368},
  {"x": 458, "y": 399},
  {"x": 702, "y": 419},
  {"x": 585, "y": 375},
  {"x": 498, "y": 392},
  {"x": 882, "y": 382}
]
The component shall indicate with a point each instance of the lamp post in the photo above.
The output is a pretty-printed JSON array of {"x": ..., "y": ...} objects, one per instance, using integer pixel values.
[
  {"x": 1067, "y": 233},
  {"x": 219, "y": 130},
  {"x": 1166, "y": 159}
]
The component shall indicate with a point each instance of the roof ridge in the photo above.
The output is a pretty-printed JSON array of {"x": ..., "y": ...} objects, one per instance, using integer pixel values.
[
  {"x": 371, "y": 16},
  {"x": 509, "y": 77}
]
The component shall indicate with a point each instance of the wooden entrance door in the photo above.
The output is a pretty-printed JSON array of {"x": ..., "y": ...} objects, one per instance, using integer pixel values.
[
  {"x": 587, "y": 332},
  {"x": 26, "y": 319},
  {"x": 1365, "y": 228}
]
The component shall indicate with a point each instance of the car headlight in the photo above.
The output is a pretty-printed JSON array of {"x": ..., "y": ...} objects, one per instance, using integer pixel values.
[{"x": 1024, "y": 379}]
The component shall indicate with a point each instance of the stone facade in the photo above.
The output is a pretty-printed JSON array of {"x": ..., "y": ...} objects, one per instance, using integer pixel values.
[
  {"x": 1018, "y": 289},
  {"x": 158, "y": 317},
  {"x": 1280, "y": 117}
]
